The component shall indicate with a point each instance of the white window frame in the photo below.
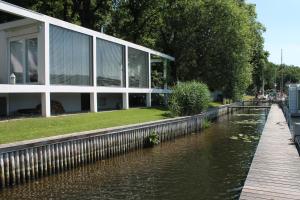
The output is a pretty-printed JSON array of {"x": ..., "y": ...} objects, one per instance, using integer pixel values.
[{"x": 17, "y": 38}]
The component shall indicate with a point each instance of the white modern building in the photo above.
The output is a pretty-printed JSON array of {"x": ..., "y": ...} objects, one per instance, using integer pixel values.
[{"x": 47, "y": 64}]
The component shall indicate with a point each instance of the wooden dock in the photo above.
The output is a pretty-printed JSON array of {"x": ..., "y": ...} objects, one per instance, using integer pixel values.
[
  {"x": 249, "y": 107},
  {"x": 275, "y": 169}
]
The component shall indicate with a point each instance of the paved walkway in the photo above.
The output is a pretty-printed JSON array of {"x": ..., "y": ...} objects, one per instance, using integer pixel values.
[{"x": 275, "y": 169}]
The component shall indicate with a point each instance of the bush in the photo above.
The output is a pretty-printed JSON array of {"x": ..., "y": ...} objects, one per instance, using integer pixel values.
[
  {"x": 152, "y": 139},
  {"x": 206, "y": 123},
  {"x": 189, "y": 98}
]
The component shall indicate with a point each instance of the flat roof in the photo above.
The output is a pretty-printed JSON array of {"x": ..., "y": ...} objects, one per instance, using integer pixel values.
[{"x": 23, "y": 12}]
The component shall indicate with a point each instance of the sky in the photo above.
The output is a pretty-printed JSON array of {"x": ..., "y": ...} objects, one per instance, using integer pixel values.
[{"x": 282, "y": 21}]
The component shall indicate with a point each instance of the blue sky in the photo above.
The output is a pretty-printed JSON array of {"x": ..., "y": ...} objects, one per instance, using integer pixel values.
[{"x": 282, "y": 21}]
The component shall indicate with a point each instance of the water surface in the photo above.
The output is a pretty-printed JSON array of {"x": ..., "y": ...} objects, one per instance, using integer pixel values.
[{"x": 212, "y": 164}]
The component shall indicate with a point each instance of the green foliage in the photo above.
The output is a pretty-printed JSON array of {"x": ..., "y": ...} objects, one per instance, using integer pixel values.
[
  {"x": 273, "y": 73},
  {"x": 227, "y": 101},
  {"x": 153, "y": 139},
  {"x": 214, "y": 104},
  {"x": 245, "y": 138},
  {"x": 189, "y": 98},
  {"x": 206, "y": 123},
  {"x": 157, "y": 79}
]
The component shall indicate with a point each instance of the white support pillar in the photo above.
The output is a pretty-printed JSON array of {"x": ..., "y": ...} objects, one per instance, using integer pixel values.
[
  {"x": 148, "y": 95},
  {"x": 148, "y": 100},
  {"x": 166, "y": 99},
  {"x": 94, "y": 102},
  {"x": 125, "y": 101},
  {"x": 46, "y": 104}
]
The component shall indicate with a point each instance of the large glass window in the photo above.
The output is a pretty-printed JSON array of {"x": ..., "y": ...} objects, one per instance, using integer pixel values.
[
  {"x": 70, "y": 57},
  {"x": 23, "y": 60},
  {"x": 110, "y": 64},
  {"x": 157, "y": 72},
  {"x": 138, "y": 68}
]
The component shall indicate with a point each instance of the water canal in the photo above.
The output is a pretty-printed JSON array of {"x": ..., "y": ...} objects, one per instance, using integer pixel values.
[{"x": 210, "y": 165}]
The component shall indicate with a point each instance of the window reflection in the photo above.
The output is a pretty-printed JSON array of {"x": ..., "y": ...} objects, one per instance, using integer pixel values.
[{"x": 138, "y": 68}]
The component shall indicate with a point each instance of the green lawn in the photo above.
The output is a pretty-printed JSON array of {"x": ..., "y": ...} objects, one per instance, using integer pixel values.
[
  {"x": 32, "y": 128},
  {"x": 214, "y": 104},
  {"x": 248, "y": 98}
]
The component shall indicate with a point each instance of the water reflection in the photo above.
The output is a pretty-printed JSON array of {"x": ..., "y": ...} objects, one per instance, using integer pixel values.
[{"x": 210, "y": 165}]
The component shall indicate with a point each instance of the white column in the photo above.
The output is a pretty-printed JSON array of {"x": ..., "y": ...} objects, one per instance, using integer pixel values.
[
  {"x": 148, "y": 96},
  {"x": 45, "y": 96},
  {"x": 148, "y": 100},
  {"x": 94, "y": 94},
  {"x": 94, "y": 102},
  {"x": 45, "y": 104},
  {"x": 125, "y": 100},
  {"x": 166, "y": 99}
]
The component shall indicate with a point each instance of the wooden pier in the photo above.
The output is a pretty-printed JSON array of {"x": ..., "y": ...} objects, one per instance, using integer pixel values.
[
  {"x": 250, "y": 107},
  {"x": 275, "y": 169}
]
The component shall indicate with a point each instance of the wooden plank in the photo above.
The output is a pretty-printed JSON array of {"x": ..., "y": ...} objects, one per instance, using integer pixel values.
[
  {"x": 253, "y": 107},
  {"x": 275, "y": 169}
]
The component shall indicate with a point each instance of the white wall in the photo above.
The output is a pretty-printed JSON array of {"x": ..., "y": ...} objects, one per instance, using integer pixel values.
[
  {"x": 23, "y": 101},
  {"x": 71, "y": 102}
]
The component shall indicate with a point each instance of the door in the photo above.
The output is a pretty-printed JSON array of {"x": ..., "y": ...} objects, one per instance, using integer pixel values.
[
  {"x": 24, "y": 60},
  {"x": 3, "y": 106}
]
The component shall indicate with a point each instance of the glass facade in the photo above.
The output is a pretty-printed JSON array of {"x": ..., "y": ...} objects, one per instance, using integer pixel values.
[
  {"x": 110, "y": 64},
  {"x": 23, "y": 60},
  {"x": 157, "y": 72},
  {"x": 70, "y": 57},
  {"x": 138, "y": 68}
]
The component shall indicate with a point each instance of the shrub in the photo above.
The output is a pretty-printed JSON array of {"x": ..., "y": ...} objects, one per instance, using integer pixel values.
[
  {"x": 152, "y": 139},
  {"x": 206, "y": 123},
  {"x": 189, "y": 98}
]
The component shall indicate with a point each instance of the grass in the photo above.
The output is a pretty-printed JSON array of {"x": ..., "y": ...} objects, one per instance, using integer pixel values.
[
  {"x": 214, "y": 104},
  {"x": 248, "y": 98},
  {"x": 33, "y": 128}
]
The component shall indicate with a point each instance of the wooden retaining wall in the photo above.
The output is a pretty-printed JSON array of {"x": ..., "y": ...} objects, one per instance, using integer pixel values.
[{"x": 24, "y": 161}]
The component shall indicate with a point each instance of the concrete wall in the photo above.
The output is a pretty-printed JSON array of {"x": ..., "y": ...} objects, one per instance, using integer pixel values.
[
  {"x": 23, "y": 101},
  {"x": 71, "y": 102}
]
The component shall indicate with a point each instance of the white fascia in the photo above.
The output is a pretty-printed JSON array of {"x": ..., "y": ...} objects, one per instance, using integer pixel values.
[
  {"x": 16, "y": 10},
  {"x": 8, "y": 88}
]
